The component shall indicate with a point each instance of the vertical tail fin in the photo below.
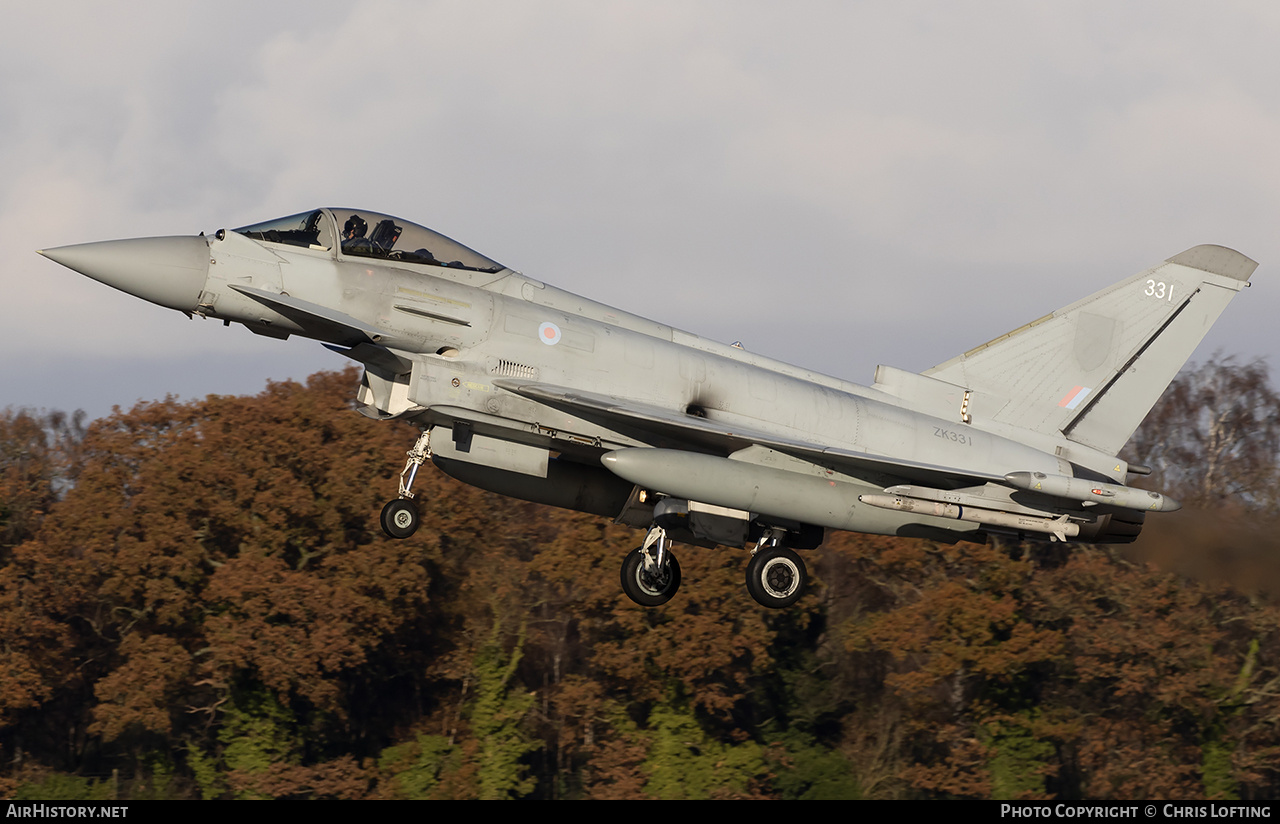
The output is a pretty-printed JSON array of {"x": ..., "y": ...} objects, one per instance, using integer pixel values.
[{"x": 1092, "y": 370}]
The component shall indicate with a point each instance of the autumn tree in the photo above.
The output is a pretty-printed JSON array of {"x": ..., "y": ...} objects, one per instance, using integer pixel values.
[
  {"x": 1213, "y": 439},
  {"x": 38, "y": 462},
  {"x": 196, "y": 597},
  {"x": 209, "y": 551}
]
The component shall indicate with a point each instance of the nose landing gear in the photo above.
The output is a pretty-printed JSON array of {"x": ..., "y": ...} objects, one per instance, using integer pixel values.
[{"x": 400, "y": 517}]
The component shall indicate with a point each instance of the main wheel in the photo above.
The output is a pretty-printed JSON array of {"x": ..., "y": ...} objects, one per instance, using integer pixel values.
[
  {"x": 400, "y": 518},
  {"x": 776, "y": 577},
  {"x": 649, "y": 590}
]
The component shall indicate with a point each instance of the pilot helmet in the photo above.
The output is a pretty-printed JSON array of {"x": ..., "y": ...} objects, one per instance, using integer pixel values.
[{"x": 355, "y": 227}]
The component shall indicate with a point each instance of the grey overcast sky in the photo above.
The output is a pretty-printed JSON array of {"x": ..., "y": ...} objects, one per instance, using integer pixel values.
[{"x": 836, "y": 184}]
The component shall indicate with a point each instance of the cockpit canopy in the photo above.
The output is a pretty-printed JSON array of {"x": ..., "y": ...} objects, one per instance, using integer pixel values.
[{"x": 369, "y": 234}]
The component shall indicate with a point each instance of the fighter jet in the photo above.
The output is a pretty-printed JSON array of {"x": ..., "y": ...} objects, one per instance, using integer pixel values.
[{"x": 527, "y": 390}]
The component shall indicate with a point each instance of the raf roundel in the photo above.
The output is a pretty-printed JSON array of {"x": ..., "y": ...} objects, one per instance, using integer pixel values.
[{"x": 549, "y": 334}]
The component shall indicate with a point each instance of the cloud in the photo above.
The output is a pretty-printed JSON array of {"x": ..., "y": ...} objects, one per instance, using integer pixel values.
[{"x": 836, "y": 184}]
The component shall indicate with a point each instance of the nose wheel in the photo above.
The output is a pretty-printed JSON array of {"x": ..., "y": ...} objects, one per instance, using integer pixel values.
[
  {"x": 400, "y": 518},
  {"x": 651, "y": 574}
]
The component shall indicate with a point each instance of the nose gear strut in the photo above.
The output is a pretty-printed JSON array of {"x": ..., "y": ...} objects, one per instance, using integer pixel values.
[{"x": 400, "y": 517}]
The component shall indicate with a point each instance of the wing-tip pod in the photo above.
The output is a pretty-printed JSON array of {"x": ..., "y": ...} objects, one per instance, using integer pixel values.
[{"x": 1217, "y": 260}]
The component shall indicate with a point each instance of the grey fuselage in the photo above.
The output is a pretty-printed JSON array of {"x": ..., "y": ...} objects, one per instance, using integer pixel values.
[{"x": 448, "y": 345}]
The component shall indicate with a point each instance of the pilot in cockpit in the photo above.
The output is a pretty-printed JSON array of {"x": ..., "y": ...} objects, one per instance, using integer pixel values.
[{"x": 353, "y": 233}]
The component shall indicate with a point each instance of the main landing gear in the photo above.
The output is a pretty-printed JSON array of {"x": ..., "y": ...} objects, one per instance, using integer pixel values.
[
  {"x": 400, "y": 517},
  {"x": 775, "y": 574},
  {"x": 651, "y": 574}
]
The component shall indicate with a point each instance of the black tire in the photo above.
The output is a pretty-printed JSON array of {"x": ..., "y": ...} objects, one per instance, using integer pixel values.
[
  {"x": 642, "y": 589},
  {"x": 776, "y": 577},
  {"x": 400, "y": 518}
]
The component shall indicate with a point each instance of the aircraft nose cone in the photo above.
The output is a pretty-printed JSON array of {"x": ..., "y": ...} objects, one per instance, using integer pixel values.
[{"x": 170, "y": 271}]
